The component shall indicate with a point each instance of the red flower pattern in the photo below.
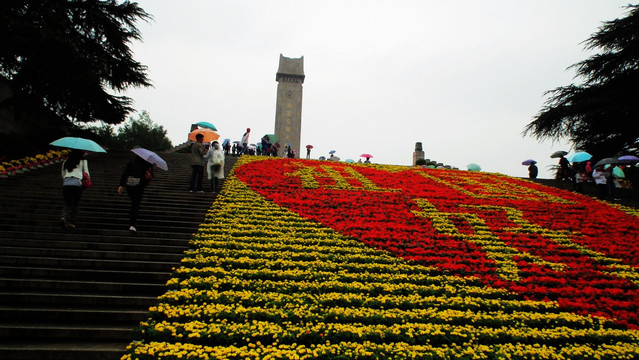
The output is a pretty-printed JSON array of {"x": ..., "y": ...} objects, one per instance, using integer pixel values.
[{"x": 540, "y": 242}]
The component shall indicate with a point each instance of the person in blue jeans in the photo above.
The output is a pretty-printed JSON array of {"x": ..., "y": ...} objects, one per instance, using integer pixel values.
[{"x": 72, "y": 169}]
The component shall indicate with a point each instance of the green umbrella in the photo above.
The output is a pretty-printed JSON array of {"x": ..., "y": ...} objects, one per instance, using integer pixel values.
[
  {"x": 78, "y": 143},
  {"x": 473, "y": 167},
  {"x": 616, "y": 171},
  {"x": 206, "y": 125},
  {"x": 272, "y": 138}
]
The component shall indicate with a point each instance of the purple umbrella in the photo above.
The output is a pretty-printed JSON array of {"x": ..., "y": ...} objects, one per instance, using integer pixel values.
[{"x": 629, "y": 159}]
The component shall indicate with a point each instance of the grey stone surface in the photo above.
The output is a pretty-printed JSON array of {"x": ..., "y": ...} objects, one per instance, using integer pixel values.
[{"x": 288, "y": 109}]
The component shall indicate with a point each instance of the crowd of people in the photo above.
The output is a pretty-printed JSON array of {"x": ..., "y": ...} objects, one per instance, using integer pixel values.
[{"x": 608, "y": 178}]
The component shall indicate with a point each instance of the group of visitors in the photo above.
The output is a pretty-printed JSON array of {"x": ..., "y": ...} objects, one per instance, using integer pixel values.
[
  {"x": 76, "y": 177},
  {"x": 209, "y": 155},
  {"x": 137, "y": 174},
  {"x": 605, "y": 176}
]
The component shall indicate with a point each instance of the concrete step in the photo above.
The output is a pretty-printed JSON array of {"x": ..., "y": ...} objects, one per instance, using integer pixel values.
[
  {"x": 80, "y": 263},
  {"x": 83, "y": 274},
  {"x": 38, "y": 315},
  {"x": 96, "y": 287},
  {"x": 61, "y": 331},
  {"x": 116, "y": 236},
  {"x": 63, "y": 350},
  {"x": 80, "y": 299},
  {"x": 93, "y": 254},
  {"x": 65, "y": 244},
  {"x": 78, "y": 294}
]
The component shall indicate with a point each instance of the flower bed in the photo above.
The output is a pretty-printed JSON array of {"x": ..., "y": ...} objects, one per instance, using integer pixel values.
[
  {"x": 310, "y": 259},
  {"x": 12, "y": 167}
]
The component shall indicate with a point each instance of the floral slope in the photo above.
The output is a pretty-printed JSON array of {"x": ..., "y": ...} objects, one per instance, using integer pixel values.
[{"x": 311, "y": 259}]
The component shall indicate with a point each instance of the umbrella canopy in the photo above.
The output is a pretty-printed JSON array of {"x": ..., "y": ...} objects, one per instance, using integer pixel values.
[
  {"x": 473, "y": 167},
  {"x": 226, "y": 141},
  {"x": 78, "y": 143},
  {"x": 272, "y": 138},
  {"x": 309, "y": 146},
  {"x": 151, "y": 157},
  {"x": 368, "y": 156},
  {"x": 349, "y": 160},
  {"x": 558, "y": 153},
  {"x": 628, "y": 159},
  {"x": 579, "y": 157},
  {"x": 206, "y": 125},
  {"x": 616, "y": 171},
  {"x": 528, "y": 162},
  {"x": 209, "y": 135},
  {"x": 332, "y": 152},
  {"x": 605, "y": 161}
]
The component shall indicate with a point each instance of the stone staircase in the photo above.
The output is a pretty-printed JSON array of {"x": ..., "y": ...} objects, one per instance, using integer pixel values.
[{"x": 79, "y": 294}]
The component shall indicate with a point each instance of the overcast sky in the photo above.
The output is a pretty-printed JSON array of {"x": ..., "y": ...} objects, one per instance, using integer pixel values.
[{"x": 462, "y": 77}]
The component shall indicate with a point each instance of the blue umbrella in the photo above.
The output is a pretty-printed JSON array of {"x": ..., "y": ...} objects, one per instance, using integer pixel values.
[
  {"x": 226, "y": 141},
  {"x": 473, "y": 167},
  {"x": 528, "y": 162},
  {"x": 78, "y": 143},
  {"x": 206, "y": 125},
  {"x": 349, "y": 160},
  {"x": 579, "y": 157},
  {"x": 332, "y": 152}
]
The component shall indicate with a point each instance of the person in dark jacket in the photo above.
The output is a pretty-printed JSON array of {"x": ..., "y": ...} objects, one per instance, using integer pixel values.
[
  {"x": 533, "y": 170},
  {"x": 136, "y": 176}
]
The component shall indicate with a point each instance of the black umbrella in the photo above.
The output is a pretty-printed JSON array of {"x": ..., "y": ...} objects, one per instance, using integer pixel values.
[
  {"x": 558, "y": 153},
  {"x": 605, "y": 161}
]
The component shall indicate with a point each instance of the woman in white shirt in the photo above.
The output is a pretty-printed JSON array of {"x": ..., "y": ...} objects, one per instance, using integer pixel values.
[
  {"x": 72, "y": 170},
  {"x": 600, "y": 179}
]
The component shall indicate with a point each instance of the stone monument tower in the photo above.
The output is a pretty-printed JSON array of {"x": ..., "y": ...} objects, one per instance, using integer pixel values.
[
  {"x": 288, "y": 108},
  {"x": 418, "y": 154}
]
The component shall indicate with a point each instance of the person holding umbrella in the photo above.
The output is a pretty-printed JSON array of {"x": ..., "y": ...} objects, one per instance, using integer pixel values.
[
  {"x": 197, "y": 163},
  {"x": 136, "y": 176},
  {"x": 73, "y": 170},
  {"x": 75, "y": 175},
  {"x": 533, "y": 170}
]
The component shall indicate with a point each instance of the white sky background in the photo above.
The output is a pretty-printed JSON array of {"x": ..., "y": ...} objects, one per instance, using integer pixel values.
[{"x": 462, "y": 77}]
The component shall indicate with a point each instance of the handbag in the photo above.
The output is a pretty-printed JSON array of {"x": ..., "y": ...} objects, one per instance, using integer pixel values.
[
  {"x": 132, "y": 181},
  {"x": 86, "y": 180}
]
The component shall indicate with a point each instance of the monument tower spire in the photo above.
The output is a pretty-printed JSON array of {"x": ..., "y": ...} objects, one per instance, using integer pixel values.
[{"x": 288, "y": 108}]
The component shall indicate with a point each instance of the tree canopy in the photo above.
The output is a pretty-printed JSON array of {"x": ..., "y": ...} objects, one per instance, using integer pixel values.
[
  {"x": 600, "y": 115},
  {"x": 65, "y": 56},
  {"x": 141, "y": 132}
]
